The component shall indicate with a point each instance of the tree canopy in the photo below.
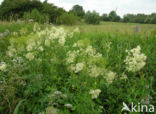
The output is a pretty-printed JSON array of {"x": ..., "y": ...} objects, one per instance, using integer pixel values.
[{"x": 78, "y": 10}]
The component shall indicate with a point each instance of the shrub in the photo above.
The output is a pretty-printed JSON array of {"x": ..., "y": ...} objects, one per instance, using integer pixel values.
[
  {"x": 104, "y": 17},
  {"x": 36, "y": 16},
  {"x": 114, "y": 17},
  {"x": 67, "y": 19},
  {"x": 78, "y": 10},
  {"x": 92, "y": 17},
  {"x": 16, "y": 8}
]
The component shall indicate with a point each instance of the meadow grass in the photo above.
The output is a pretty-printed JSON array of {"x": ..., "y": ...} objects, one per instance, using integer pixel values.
[
  {"x": 50, "y": 69},
  {"x": 113, "y": 27}
]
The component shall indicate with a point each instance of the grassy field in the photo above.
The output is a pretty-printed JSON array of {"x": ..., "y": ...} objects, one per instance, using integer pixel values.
[{"x": 81, "y": 69}]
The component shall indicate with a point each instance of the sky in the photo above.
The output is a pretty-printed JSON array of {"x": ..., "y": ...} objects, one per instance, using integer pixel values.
[{"x": 105, "y": 6}]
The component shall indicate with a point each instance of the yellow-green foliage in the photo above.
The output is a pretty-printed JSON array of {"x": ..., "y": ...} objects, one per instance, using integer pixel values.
[{"x": 81, "y": 69}]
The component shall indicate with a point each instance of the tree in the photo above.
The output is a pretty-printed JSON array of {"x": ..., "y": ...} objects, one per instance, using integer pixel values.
[
  {"x": 140, "y": 18},
  {"x": 153, "y": 18},
  {"x": 36, "y": 16},
  {"x": 78, "y": 10},
  {"x": 53, "y": 11},
  {"x": 92, "y": 17},
  {"x": 114, "y": 17},
  {"x": 67, "y": 19},
  {"x": 105, "y": 17},
  {"x": 16, "y": 8}
]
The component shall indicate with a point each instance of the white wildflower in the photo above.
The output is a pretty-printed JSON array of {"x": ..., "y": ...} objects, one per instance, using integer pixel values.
[
  {"x": 11, "y": 52},
  {"x": 75, "y": 45},
  {"x": 95, "y": 71},
  {"x": 71, "y": 34},
  {"x": 29, "y": 48},
  {"x": 135, "y": 60},
  {"x": 90, "y": 51},
  {"x": 3, "y": 66},
  {"x": 68, "y": 105},
  {"x": 58, "y": 93},
  {"x": 98, "y": 55},
  {"x": 47, "y": 42},
  {"x": 95, "y": 93},
  {"x": 70, "y": 57},
  {"x": 123, "y": 76},
  {"x": 110, "y": 77},
  {"x": 79, "y": 67},
  {"x": 41, "y": 48},
  {"x": 31, "y": 45},
  {"x": 29, "y": 56},
  {"x": 62, "y": 41}
]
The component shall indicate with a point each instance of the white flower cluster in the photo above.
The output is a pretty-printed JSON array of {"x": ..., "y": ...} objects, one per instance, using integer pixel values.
[
  {"x": 95, "y": 93},
  {"x": 79, "y": 67},
  {"x": 50, "y": 37},
  {"x": 68, "y": 105},
  {"x": 6, "y": 33},
  {"x": 45, "y": 37},
  {"x": 58, "y": 94},
  {"x": 18, "y": 60},
  {"x": 71, "y": 55},
  {"x": 3, "y": 66},
  {"x": 52, "y": 34},
  {"x": 71, "y": 33},
  {"x": 135, "y": 60},
  {"x": 11, "y": 50},
  {"x": 123, "y": 76},
  {"x": 110, "y": 76},
  {"x": 29, "y": 56},
  {"x": 95, "y": 71},
  {"x": 84, "y": 57}
]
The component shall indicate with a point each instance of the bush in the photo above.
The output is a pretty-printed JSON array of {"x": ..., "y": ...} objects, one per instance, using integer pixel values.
[
  {"x": 114, "y": 17},
  {"x": 92, "y": 17},
  {"x": 67, "y": 19},
  {"x": 104, "y": 17},
  {"x": 16, "y": 8},
  {"x": 78, "y": 10},
  {"x": 36, "y": 16}
]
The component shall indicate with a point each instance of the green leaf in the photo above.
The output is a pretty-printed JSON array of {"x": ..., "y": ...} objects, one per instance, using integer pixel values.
[{"x": 16, "y": 111}]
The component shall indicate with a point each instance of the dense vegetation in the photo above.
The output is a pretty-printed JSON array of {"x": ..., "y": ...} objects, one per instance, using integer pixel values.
[
  {"x": 50, "y": 69},
  {"x": 22, "y": 9},
  {"x": 15, "y": 9},
  {"x": 91, "y": 68}
]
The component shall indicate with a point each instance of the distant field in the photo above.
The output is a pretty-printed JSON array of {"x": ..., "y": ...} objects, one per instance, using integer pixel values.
[
  {"x": 124, "y": 28},
  {"x": 106, "y": 27}
]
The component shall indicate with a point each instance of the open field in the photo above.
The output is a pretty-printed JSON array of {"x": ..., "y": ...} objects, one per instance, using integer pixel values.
[
  {"x": 81, "y": 69},
  {"x": 124, "y": 28}
]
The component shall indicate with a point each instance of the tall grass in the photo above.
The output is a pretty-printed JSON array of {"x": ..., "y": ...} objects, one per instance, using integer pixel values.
[{"x": 60, "y": 70}]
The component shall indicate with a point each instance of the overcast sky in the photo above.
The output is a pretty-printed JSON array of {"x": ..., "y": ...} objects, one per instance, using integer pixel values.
[{"x": 105, "y": 6}]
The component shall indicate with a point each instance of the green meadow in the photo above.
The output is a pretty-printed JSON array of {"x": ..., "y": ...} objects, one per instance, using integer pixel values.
[{"x": 79, "y": 69}]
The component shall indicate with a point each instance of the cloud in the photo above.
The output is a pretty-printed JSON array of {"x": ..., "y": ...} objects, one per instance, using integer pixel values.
[{"x": 105, "y": 6}]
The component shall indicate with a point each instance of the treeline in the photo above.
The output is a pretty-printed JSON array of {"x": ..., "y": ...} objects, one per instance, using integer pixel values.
[
  {"x": 34, "y": 10},
  {"x": 30, "y": 9},
  {"x": 140, "y": 18}
]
